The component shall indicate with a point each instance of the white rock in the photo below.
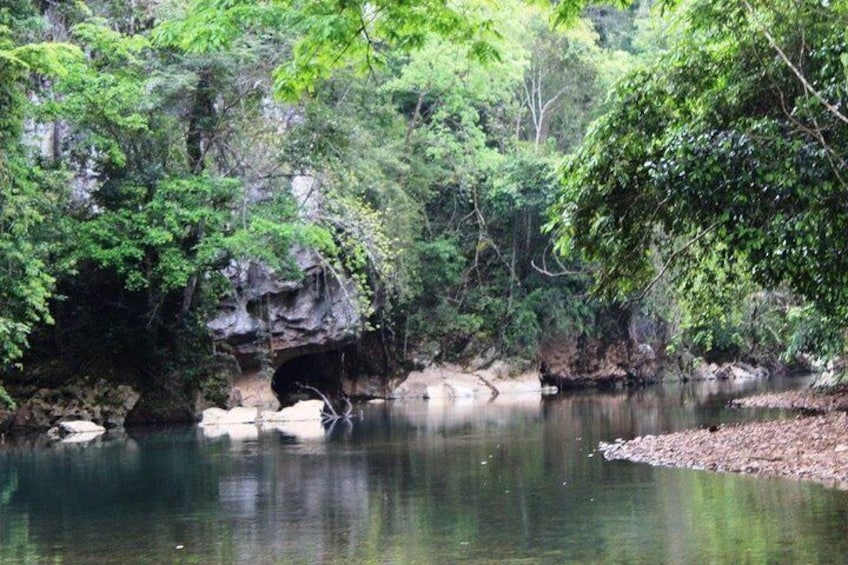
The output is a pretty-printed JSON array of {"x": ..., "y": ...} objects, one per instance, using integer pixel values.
[
  {"x": 460, "y": 391},
  {"x": 238, "y": 415},
  {"x": 303, "y": 410},
  {"x": 439, "y": 392},
  {"x": 302, "y": 430},
  {"x": 82, "y": 437},
  {"x": 235, "y": 432},
  {"x": 80, "y": 427}
]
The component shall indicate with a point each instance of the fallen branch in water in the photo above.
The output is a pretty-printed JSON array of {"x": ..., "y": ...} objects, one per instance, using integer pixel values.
[{"x": 329, "y": 413}]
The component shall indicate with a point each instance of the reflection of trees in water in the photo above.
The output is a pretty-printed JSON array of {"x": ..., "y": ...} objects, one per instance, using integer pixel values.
[
  {"x": 15, "y": 544},
  {"x": 413, "y": 482}
]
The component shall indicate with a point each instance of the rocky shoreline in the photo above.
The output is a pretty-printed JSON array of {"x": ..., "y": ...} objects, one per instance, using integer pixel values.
[{"x": 812, "y": 446}]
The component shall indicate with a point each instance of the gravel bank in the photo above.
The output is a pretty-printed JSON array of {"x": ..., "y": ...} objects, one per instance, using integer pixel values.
[
  {"x": 813, "y": 447},
  {"x": 807, "y": 400}
]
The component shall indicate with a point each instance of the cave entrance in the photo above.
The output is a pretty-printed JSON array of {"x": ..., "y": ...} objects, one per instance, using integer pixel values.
[
  {"x": 324, "y": 370},
  {"x": 358, "y": 370}
]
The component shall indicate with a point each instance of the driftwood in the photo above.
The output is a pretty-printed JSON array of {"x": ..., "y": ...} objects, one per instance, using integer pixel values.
[{"x": 329, "y": 413}]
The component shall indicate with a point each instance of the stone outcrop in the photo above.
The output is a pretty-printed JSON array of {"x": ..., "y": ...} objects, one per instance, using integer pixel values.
[
  {"x": 728, "y": 371},
  {"x": 100, "y": 402},
  {"x": 592, "y": 362},
  {"x": 445, "y": 382},
  {"x": 269, "y": 311}
]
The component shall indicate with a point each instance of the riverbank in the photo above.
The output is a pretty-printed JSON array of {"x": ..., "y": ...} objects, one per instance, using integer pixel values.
[{"x": 812, "y": 446}]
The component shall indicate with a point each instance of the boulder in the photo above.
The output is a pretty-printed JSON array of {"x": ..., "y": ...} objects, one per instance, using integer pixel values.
[
  {"x": 237, "y": 415},
  {"x": 304, "y": 410},
  {"x": 302, "y": 430},
  {"x": 76, "y": 431},
  {"x": 79, "y": 427}
]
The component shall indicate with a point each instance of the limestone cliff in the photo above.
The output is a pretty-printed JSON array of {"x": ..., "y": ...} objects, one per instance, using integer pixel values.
[{"x": 266, "y": 313}]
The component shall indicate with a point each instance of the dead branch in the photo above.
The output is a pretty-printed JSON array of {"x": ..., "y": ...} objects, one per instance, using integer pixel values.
[
  {"x": 563, "y": 270},
  {"x": 329, "y": 412}
]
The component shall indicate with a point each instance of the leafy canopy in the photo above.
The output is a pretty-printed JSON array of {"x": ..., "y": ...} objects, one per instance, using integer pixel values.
[
  {"x": 722, "y": 138},
  {"x": 329, "y": 34}
]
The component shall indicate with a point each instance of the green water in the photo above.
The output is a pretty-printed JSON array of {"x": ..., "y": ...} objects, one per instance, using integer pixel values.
[{"x": 506, "y": 482}]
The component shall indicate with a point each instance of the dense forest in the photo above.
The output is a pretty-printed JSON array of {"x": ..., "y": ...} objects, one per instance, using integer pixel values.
[{"x": 483, "y": 175}]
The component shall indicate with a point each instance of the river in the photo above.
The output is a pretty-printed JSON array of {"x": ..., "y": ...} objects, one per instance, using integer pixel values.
[{"x": 513, "y": 481}]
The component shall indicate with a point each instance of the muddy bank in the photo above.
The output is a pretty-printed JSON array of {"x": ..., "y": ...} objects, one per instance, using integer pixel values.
[{"x": 813, "y": 447}]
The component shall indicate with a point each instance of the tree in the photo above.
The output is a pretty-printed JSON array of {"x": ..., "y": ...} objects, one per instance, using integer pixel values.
[
  {"x": 28, "y": 205},
  {"x": 731, "y": 138},
  {"x": 330, "y": 34}
]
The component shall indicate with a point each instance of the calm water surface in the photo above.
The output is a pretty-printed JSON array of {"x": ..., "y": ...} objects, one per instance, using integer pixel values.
[{"x": 514, "y": 481}]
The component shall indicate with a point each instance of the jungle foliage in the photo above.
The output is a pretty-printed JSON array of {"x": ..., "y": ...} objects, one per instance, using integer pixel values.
[
  {"x": 154, "y": 154},
  {"x": 145, "y": 146},
  {"x": 719, "y": 164}
]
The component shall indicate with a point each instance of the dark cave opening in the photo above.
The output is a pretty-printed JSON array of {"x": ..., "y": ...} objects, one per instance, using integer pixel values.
[
  {"x": 357, "y": 370},
  {"x": 323, "y": 370}
]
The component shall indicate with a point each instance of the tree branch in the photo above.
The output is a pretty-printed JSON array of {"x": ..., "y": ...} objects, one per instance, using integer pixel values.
[
  {"x": 795, "y": 70},
  {"x": 673, "y": 257}
]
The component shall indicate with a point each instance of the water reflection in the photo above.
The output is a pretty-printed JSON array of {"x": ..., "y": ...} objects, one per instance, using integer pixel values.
[{"x": 416, "y": 482}]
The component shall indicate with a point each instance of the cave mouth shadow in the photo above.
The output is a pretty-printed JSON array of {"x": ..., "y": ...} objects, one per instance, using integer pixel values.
[{"x": 323, "y": 370}]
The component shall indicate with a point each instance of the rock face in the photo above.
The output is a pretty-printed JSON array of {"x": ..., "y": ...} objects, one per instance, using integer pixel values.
[
  {"x": 101, "y": 402},
  {"x": 267, "y": 309},
  {"x": 628, "y": 348},
  {"x": 587, "y": 362}
]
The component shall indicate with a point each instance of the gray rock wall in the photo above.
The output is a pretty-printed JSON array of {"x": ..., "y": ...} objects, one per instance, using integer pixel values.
[{"x": 269, "y": 313}]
